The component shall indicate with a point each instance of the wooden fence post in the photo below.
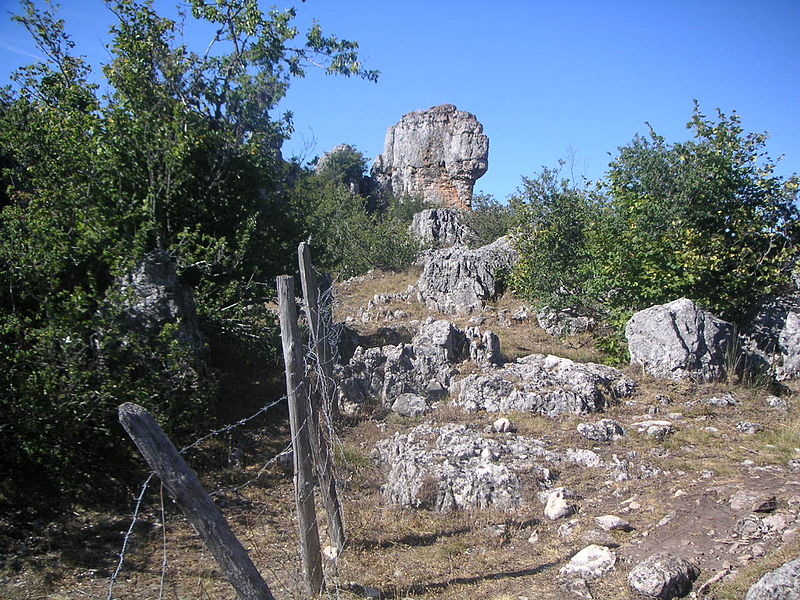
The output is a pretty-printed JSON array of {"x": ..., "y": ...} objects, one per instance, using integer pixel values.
[
  {"x": 319, "y": 334},
  {"x": 322, "y": 456},
  {"x": 297, "y": 393},
  {"x": 187, "y": 491}
]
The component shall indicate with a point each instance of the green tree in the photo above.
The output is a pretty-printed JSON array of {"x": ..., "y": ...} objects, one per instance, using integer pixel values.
[{"x": 182, "y": 155}]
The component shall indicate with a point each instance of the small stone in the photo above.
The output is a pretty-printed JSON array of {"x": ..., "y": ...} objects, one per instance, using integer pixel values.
[
  {"x": 557, "y": 507},
  {"x": 758, "y": 550},
  {"x": 667, "y": 518},
  {"x": 748, "y": 427},
  {"x": 658, "y": 429},
  {"x": 791, "y": 536},
  {"x": 605, "y": 430},
  {"x": 590, "y": 563},
  {"x": 743, "y": 500},
  {"x": 601, "y": 538},
  {"x": 534, "y": 537},
  {"x": 502, "y": 425},
  {"x": 777, "y": 403},
  {"x": 612, "y": 523},
  {"x": 634, "y": 505},
  {"x": 765, "y": 504},
  {"x": 679, "y": 493}
]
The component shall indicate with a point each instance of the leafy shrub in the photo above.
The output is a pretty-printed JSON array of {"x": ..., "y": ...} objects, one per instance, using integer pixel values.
[{"x": 489, "y": 219}]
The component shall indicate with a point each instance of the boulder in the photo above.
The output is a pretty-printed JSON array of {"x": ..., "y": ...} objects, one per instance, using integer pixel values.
[
  {"x": 557, "y": 506},
  {"x": 410, "y": 405},
  {"x": 547, "y": 385},
  {"x": 452, "y": 468},
  {"x": 440, "y": 227},
  {"x": 435, "y": 155},
  {"x": 781, "y": 584},
  {"x": 592, "y": 562},
  {"x": 679, "y": 341},
  {"x": 772, "y": 339},
  {"x": 460, "y": 280},
  {"x": 663, "y": 576},
  {"x": 153, "y": 296}
]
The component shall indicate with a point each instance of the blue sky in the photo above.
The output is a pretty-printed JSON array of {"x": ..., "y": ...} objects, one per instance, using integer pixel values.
[{"x": 548, "y": 80}]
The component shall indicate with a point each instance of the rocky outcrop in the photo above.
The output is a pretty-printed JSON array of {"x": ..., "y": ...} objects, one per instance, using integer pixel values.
[
  {"x": 460, "y": 280},
  {"x": 424, "y": 367},
  {"x": 772, "y": 340},
  {"x": 153, "y": 296},
  {"x": 663, "y": 576},
  {"x": 440, "y": 227},
  {"x": 436, "y": 155},
  {"x": 547, "y": 385},
  {"x": 780, "y": 584},
  {"x": 680, "y": 341},
  {"x": 452, "y": 468}
]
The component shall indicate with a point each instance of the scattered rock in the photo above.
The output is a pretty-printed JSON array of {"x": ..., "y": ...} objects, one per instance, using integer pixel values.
[
  {"x": 440, "y": 227},
  {"x": 548, "y": 385},
  {"x": 502, "y": 425},
  {"x": 781, "y": 584},
  {"x": 584, "y": 457},
  {"x": 722, "y": 401},
  {"x": 748, "y": 427},
  {"x": 557, "y": 507},
  {"x": 601, "y": 538},
  {"x": 567, "y": 530},
  {"x": 765, "y": 504},
  {"x": 565, "y": 322},
  {"x": 590, "y": 563},
  {"x": 605, "y": 430},
  {"x": 663, "y": 576},
  {"x": 435, "y": 155},
  {"x": 612, "y": 523},
  {"x": 655, "y": 429},
  {"x": 777, "y": 403},
  {"x": 460, "y": 280},
  {"x": 679, "y": 341},
  {"x": 410, "y": 405}
]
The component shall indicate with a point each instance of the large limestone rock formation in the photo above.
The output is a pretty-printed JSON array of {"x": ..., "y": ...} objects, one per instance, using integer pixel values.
[
  {"x": 772, "y": 340},
  {"x": 436, "y": 155}
]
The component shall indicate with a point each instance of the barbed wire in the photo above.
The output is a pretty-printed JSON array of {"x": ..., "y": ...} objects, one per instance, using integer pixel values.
[{"x": 321, "y": 385}]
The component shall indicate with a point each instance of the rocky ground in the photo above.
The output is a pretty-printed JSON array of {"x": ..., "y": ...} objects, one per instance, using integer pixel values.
[{"x": 469, "y": 474}]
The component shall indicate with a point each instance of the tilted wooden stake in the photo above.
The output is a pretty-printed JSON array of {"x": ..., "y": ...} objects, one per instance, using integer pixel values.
[
  {"x": 297, "y": 393},
  {"x": 322, "y": 457},
  {"x": 187, "y": 491}
]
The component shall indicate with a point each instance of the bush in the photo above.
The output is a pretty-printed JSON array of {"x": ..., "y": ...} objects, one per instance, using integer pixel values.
[
  {"x": 706, "y": 219},
  {"x": 489, "y": 219}
]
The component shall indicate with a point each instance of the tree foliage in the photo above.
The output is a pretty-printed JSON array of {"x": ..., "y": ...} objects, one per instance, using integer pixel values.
[
  {"x": 180, "y": 154},
  {"x": 706, "y": 219}
]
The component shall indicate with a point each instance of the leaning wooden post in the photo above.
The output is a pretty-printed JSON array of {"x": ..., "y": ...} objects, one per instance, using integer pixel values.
[
  {"x": 297, "y": 393},
  {"x": 187, "y": 491},
  {"x": 322, "y": 456}
]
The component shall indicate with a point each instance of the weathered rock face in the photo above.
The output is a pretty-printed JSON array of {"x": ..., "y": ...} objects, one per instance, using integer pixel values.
[
  {"x": 452, "y": 468},
  {"x": 424, "y": 367},
  {"x": 436, "y": 155},
  {"x": 663, "y": 576},
  {"x": 548, "y": 385},
  {"x": 780, "y": 584},
  {"x": 153, "y": 297},
  {"x": 440, "y": 227},
  {"x": 460, "y": 281},
  {"x": 772, "y": 340},
  {"x": 679, "y": 341}
]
